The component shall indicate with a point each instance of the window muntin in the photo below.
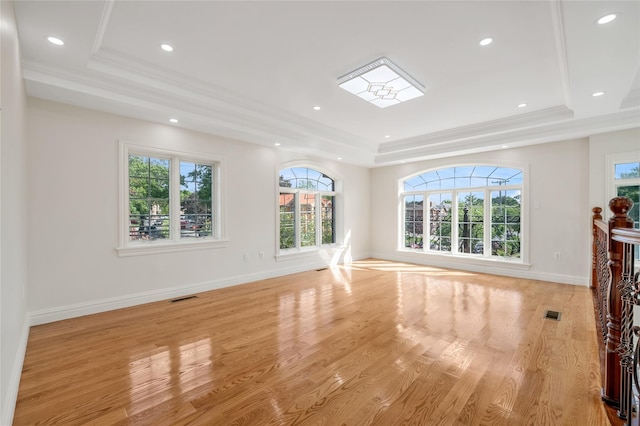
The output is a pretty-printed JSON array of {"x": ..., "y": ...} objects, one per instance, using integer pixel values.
[
  {"x": 169, "y": 201},
  {"x": 463, "y": 177},
  {"x": 196, "y": 213},
  {"x": 486, "y": 222},
  {"x": 440, "y": 205},
  {"x": 328, "y": 219},
  {"x": 505, "y": 223},
  {"x": 471, "y": 222},
  {"x": 413, "y": 221},
  {"x": 287, "y": 208},
  {"x": 149, "y": 184},
  {"x": 306, "y": 209},
  {"x": 308, "y": 219},
  {"x": 305, "y": 178}
]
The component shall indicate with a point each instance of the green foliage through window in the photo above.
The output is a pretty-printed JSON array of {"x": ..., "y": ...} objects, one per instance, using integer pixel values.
[
  {"x": 150, "y": 189},
  {"x": 149, "y": 185},
  {"x": 486, "y": 219},
  {"x": 306, "y": 208}
]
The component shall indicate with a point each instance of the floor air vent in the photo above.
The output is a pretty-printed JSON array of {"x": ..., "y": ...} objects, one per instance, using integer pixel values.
[
  {"x": 182, "y": 299},
  {"x": 554, "y": 315}
]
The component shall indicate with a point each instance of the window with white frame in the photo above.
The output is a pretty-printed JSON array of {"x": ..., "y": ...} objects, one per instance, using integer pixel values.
[
  {"x": 469, "y": 210},
  {"x": 306, "y": 209},
  {"x": 168, "y": 199},
  {"x": 626, "y": 183}
]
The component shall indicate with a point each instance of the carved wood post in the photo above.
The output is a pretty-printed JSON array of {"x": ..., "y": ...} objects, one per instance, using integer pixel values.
[
  {"x": 612, "y": 380},
  {"x": 594, "y": 248}
]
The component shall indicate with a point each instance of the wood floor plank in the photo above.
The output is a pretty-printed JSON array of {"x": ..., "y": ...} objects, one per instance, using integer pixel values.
[{"x": 372, "y": 343}]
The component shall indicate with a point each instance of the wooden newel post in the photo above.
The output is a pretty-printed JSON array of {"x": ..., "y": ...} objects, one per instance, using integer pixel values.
[
  {"x": 594, "y": 249},
  {"x": 611, "y": 390}
]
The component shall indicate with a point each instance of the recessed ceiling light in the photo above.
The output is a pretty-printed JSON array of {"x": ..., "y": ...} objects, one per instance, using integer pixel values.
[
  {"x": 55, "y": 40},
  {"x": 339, "y": 158},
  {"x": 522, "y": 105},
  {"x": 316, "y": 108},
  {"x": 505, "y": 146},
  {"x": 166, "y": 47},
  {"x": 486, "y": 41},
  {"x": 387, "y": 136},
  {"x": 596, "y": 94},
  {"x": 173, "y": 120},
  {"x": 606, "y": 19},
  {"x": 382, "y": 83},
  {"x": 277, "y": 144}
]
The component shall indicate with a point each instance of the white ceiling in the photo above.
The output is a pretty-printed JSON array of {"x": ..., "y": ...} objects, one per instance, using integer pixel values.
[{"x": 253, "y": 71}]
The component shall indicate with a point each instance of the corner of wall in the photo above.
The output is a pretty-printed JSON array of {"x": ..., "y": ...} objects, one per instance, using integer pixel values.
[{"x": 9, "y": 402}]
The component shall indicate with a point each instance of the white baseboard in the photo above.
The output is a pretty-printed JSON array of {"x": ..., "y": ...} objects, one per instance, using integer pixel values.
[
  {"x": 87, "y": 308},
  {"x": 96, "y": 306},
  {"x": 486, "y": 267},
  {"x": 9, "y": 403}
]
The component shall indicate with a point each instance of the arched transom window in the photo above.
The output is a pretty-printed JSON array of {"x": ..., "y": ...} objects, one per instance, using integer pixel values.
[
  {"x": 470, "y": 210},
  {"x": 306, "y": 209}
]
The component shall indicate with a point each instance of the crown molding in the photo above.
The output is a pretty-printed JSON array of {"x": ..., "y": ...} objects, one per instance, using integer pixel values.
[
  {"x": 105, "y": 17},
  {"x": 568, "y": 129},
  {"x": 632, "y": 100},
  {"x": 557, "y": 20},
  {"x": 535, "y": 118},
  {"x": 160, "y": 96}
]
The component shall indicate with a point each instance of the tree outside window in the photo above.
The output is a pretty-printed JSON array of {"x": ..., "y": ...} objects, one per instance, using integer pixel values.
[
  {"x": 306, "y": 208},
  {"x": 466, "y": 212}
]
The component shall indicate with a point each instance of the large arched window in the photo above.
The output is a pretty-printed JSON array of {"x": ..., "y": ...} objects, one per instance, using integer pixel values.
[
  {"x": 470, "y": 210},
  {"x": 306, "y": 209}
]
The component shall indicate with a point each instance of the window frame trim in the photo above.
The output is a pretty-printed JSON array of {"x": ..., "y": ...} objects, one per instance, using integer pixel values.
[
  {"x": 612, "y": 182},
  {"x": 524, "y": 222},
  {"x": 218, "y": 239},
  {"x": 299, "y": 251}
]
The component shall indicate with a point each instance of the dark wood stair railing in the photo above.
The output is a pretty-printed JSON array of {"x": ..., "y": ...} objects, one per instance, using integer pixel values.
[
  {"x": 615, "y": 315},
  {"x": 629, "y": 290}
]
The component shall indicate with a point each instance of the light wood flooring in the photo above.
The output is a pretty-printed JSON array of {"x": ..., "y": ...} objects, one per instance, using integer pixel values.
[{"x": 377, "y": 343}]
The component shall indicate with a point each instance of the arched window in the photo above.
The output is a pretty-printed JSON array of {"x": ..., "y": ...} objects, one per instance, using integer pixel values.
[
  {"x": 470, "y": 210},
  {"x": 306, "y": 209}
]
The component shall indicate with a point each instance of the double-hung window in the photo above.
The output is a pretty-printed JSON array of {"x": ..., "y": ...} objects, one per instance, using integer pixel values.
[
  {"x": 169, "y": 200},
  {"x": 467, "y": 210},
  {"x": 306, "y": 209}
]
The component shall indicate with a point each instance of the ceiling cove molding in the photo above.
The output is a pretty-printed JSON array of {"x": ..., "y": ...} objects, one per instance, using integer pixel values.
[
  {"x": 105, "y": 17},
  {"x": 559, "y": 131},
  {"x": 166, "y": 99},
  {"x": 206, "y": 125},
  {"x": 535, "y": 118},
  {"x": 56, "y": 86},
  {"x": 632, "y": 100},
  {"x": 214, "y": 99},
  {"x": 557, "y": 20}
]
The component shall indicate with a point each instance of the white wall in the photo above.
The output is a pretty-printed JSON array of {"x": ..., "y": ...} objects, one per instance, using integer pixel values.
[
  {"x": 601, "y": 146},
  {"x": 555, "y": 209},
  {"x": 74, "y": 268},
  {"x": 13, "y": 215}
]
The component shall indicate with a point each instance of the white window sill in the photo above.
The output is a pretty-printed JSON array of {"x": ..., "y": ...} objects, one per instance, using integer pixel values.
[
  {"x": 292, "y": 254},
  {"x": 156, "y": 247},
  {"x": 469, "y": 259}
]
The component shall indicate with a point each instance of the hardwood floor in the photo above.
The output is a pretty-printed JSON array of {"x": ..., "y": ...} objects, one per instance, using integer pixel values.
[{"x": 376, "y": 343}]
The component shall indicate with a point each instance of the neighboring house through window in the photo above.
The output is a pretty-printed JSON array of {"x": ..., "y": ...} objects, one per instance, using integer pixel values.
[
  {"x": 468, "y": 210},
  {"x": 306, "y": 209}
]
